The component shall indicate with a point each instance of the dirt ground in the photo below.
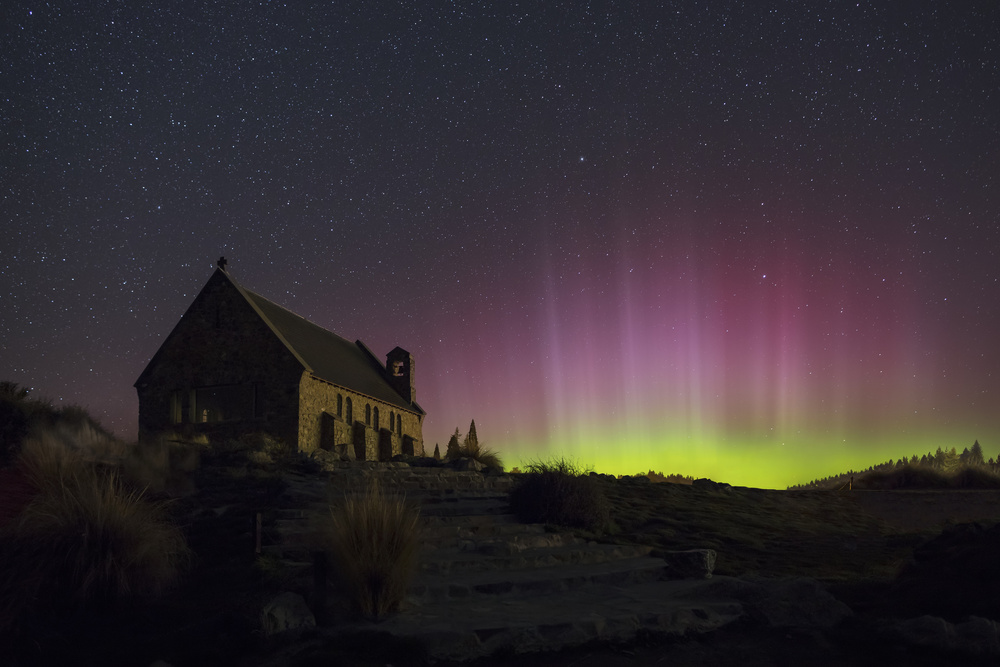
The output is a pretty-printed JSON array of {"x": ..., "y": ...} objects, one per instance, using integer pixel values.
[
  {"x": 930, "y": 510},
  {"x": 919, "y": 514}
]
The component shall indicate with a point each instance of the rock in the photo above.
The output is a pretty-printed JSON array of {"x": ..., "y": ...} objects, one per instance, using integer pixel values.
[
  {"x": 690, "y": 564},
  {"x": 345, "y": 452},
  {"x": 979, "y": 636},
  {"x": 954, "y": 574},
  {"x": 975, "y": 636},
  {"x": 467, "y": 464},
  {"x": 780, "y": 603},
  {"x": 289, "y": 613},
  {"x": 711, "y": 485},
  {"x": 325, "y": 459},
  {"x": 801, "y": 603}
]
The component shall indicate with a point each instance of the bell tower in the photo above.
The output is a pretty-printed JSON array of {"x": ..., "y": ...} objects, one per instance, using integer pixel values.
[{"x": 399, "y": 367}]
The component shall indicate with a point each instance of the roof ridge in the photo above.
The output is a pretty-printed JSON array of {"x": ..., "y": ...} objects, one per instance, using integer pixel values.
[{"x": 246, "y": 294}]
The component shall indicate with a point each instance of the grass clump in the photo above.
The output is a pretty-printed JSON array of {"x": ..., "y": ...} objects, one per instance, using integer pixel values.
[
  {"x": 85, "y": 539},
  {"x": 561, "y": 493},
  {"x": 484, "y": 455},
  {"x": 372, "y": 539}
]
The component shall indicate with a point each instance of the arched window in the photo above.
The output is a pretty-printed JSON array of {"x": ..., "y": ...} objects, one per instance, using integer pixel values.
[
  {"x": 392, "y": 422},
  {"x": 399, "y": 426},
  {"x": 368, "y": 414},
  {"x": 340, "y": 405},
  {"x": 375, "y": 418},
  {"x": 350, "y": 410}
]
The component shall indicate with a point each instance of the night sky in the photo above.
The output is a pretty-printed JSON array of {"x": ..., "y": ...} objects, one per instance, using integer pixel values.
[{"x": 753, "y": 243}]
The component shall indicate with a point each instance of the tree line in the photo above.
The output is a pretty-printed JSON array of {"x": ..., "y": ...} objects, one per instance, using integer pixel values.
[{"x": 945, "y": 461}]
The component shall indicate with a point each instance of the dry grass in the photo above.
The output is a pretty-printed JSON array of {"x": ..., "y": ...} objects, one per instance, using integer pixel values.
[
  {"x": 372, "y": 538},
  {"x": 559, "y": 492},
  {"x": 84, "y": 539},
  {"x": 484, "y": 455}
]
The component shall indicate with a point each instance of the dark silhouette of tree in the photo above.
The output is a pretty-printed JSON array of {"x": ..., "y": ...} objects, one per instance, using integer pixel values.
[
  {"x": 437, "y": 452},
  {"x": 975, "y": 457},
  {"x": 471, "y": 441},
  {"x": 454, "y": 445}
]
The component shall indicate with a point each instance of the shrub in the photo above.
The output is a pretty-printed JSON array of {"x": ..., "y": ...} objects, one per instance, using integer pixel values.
[
  {"x": 83, "y": 539},
  {"x": 925, "y": 477},
  {"x": 906, "y": 477},
  {"x": 483, "y": 455},
  {"x": 372, "y": 538},
  {"x": 975, "y": 477},
  {"x": 558, "y": 492}
]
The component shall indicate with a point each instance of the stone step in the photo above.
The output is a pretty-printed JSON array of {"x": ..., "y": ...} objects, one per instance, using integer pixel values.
[
  {"x": 467, "y": 507},
  {"x": 502, "y": 545},
  {"x": 453, "y": 629},
  {"x": 456, "y": 561},
  {"x": 441, "y": 533},
  {"x": 428, "y": 588}
]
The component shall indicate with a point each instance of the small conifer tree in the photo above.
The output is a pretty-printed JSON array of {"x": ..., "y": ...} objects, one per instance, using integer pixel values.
[
  {"x": 976, "y": 454},
  {"x": 454, "y": 448},
  {"x": 437, "y": 452}
]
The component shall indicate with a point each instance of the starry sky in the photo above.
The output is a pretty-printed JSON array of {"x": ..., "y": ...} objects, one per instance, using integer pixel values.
[{"x": 751, "y": 241}]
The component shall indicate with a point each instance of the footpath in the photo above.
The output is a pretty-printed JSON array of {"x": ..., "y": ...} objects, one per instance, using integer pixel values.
[{"x": 487, "y": 584}]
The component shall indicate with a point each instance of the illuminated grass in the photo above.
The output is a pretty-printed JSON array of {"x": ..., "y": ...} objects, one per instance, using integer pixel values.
[
  {"x": 372, "y": 538},
  {"x": 85, "y": 539}
]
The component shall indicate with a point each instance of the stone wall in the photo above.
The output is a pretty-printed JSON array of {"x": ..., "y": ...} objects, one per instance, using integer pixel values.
[
  {"x": 321, "y": 425},
  {"x": 220, "y": 341}
]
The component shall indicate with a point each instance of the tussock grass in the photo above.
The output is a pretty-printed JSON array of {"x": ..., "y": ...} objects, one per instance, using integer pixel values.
[
  {"x": 85, "y": 539},
  {"x": 560, "y": 492},
  {"x": 372, "y": 538},
  {"x": 163, "y": 464},
  {"x": 484, "y": 455}
]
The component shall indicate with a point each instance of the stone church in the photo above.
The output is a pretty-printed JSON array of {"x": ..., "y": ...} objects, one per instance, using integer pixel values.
[{"x": 238, "y": 363}]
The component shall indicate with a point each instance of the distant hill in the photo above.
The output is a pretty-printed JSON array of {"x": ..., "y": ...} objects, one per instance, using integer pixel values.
[{"x": 940, "y": 469}]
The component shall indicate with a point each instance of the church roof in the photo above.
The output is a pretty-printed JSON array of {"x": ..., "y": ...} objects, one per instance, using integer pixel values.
[
  {"x": 326, "y": 355},
  {"x": 323, "y": 353}
]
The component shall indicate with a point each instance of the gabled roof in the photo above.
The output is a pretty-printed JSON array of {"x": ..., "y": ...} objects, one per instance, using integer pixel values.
[{"x": 325, "y": 354}]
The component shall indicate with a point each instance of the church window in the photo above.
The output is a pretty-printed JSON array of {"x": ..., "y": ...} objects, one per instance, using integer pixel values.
[
  {"x": 225, "y": 403},
  {"x": 350, "y": 410},
  {"x": 375, "y": 418}
]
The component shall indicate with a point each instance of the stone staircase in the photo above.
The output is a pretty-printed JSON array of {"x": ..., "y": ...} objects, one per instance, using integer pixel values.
[{"x": 487, "y": 583}]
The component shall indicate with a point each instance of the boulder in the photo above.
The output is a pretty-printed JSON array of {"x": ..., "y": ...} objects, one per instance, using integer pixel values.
[
  {"x": 798, "y": 603},
  {"x": 345, "y": 452},
  {"x": 690, "y": 564},
  {"x": 975, "y": 636},
  {"x": 954, "y": 574},
  {"x": 325, "y": 459},
  {"x": 287, "y": 613},
  {"x": 778, "y": 603},
  {"x": 467, "y": 464}
]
